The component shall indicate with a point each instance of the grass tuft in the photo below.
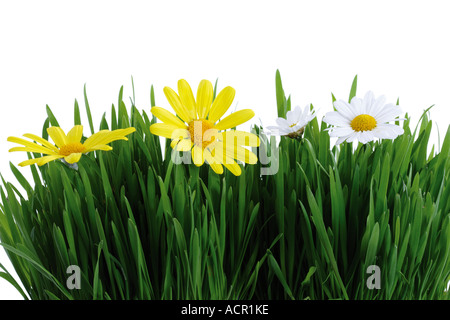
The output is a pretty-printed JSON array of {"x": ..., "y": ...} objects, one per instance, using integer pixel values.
[{"x": 140, "y": 227}]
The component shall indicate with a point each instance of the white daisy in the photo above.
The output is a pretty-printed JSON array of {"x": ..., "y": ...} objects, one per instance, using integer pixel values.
[
  {"x": 364, "y": 119},
  {"x": 294, "y": 124}
]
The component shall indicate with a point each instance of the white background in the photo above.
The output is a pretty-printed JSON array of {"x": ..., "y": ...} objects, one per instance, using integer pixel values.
[{"x": 50, "y": 49}]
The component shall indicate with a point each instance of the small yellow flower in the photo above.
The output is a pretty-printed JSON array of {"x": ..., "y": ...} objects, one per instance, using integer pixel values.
[
  {"x": 67, "y": 147},
  {"x": 198, "y": 129}
]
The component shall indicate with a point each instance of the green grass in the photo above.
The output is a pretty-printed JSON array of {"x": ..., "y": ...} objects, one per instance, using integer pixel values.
[{"x": 140, "y": 227}]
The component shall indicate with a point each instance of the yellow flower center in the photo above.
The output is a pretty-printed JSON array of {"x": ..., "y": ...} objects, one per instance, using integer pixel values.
[
  {"x": 363, "y": 122},
  {"x": 197, "y": 129},
  {"x": 292, "y": 125},
  {"x": 68, "y": 149}
]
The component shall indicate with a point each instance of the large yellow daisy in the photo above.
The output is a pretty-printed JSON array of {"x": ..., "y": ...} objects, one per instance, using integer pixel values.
[
  {"x": 67, "y": 147},
  {"x": 198, "y": 129}
]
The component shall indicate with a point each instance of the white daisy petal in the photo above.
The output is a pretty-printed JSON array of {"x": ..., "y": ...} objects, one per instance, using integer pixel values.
[
  {"x": 310, "y": 117},
  {"x": 280, "y": 131},
  {"x": 290, "y": 117},
  {"x": 345, "y": 109},
  {"x": 301, "y": 119},
  {"x": 336, "y": 119},
  {"x": 286, "y": 130},
  {"x": 368, "y": 101},
  {"x": 352, "y": 137},
  {"x": 357, "y": 105},
  {"x": 296, "y": 128},
  {"x": 365, "y": 136},
  {"x": 388, "y": 113},
  {"x": 306, "y": 112},
  {"x": 368, "y": 98},
  {"x": 294, "y": 116},
  {"x": 282, "y": 122},
  {"x": 376, "y": 106},
  {"x": 388, "y": 131},
  {"x": 298, "y": 114},
  {"x": 272, "y": 128},
  {"x": 341, "y": 139},
  {"x": 380, "y": 133},
  {"x": 397, "y": 130},
  {"x": 392, "y": 116},
  {"x": 342, "y": 131}
]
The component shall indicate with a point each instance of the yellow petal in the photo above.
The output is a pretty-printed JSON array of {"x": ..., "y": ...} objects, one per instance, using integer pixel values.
[
  {"x": 29, "y": 146},
  {"x": 118, "y": 134},
  {"x": 163, "y": 129},
  {"x": 213, "y": 163},
  {"x": 174, "y": 143},
  {"x": 41, "y": 141},
  {"x": 205, "y": 94},
  {"x": 73, "y": 157},
  {"x": 122, "y": 133},
  {"x": 241, "y": 138},
  {"x": 177, "y": 105},
  {"x": 241, "y": 154},
  {"x": 105, "y": 136},
  {"x": 57, "y": 135},
  {"x": 181, "y": 145},
  {"x": 47, "y": 159},
  {"x": 197, "y": 156},
  {"x": 184, "y": 145},
  {"x": 209, "y": 157},
  {"x": 30, "y": 149},
  {"x": 40, "y": 161},
  {"x": 29, "y": 162},
  {"x": 217, "y": 167},
  {"x": 187, "y": 98},
  {"x": 75, "y": 134},
  {"x": 231, "y": 165},
  {"x": 235, "y": 119},
  {"x": 220, "y": 155},
  {"x": 95, "y": 138},
  {"x": 221, "y": 104},
  {"x": 167, "y": 117},
  {"x": 102, "y": 147},
  {"x": 178, "y": 135}
]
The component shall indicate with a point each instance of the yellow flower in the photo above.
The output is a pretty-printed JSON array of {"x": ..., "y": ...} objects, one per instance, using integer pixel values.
[
  {"x": 68, "y": 147},
  {"x": 198, "y": 129}
]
